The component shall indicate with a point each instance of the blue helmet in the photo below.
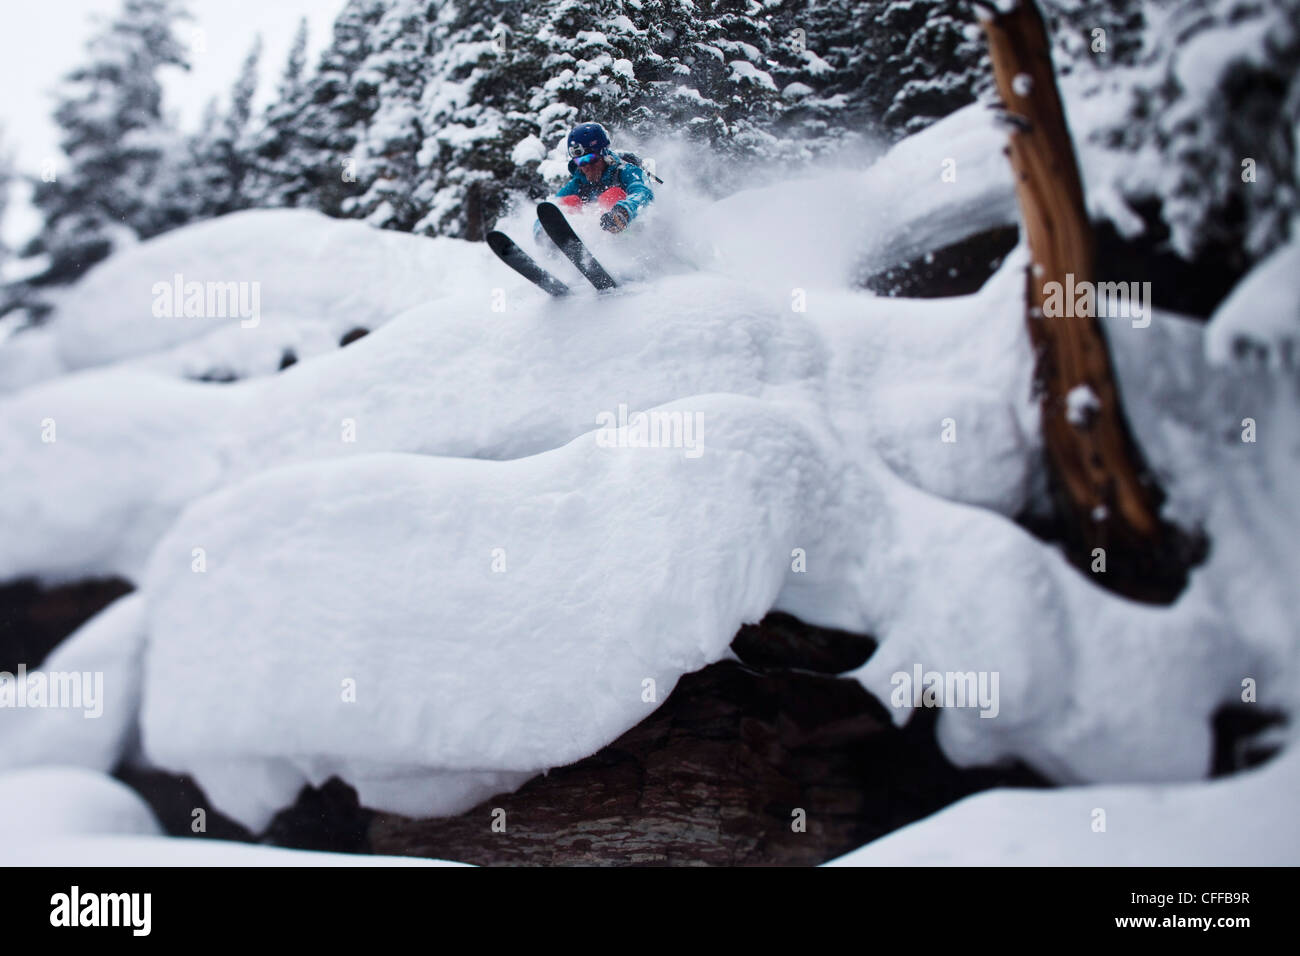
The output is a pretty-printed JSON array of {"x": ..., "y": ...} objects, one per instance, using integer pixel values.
[{"x": 587, "y": 138}]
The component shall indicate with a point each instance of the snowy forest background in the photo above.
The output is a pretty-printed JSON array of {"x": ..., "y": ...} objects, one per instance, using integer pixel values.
[{"x": 431, "y": 117}]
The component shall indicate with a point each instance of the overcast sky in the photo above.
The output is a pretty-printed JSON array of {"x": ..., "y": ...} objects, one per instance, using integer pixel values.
[{"x": 42, "y": 40}]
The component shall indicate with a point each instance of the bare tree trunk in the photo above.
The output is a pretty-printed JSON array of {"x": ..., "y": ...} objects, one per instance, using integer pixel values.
[
  {"x": 1104, "y": 490},
  {"x": 474, "y": 230}
]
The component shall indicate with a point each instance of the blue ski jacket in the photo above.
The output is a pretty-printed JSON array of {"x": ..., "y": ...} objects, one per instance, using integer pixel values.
[{"x": 618, "y": 172}]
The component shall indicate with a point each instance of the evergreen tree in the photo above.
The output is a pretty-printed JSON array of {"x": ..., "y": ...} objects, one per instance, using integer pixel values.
[
  {"x": 449, "y": 111},
  {"x": 273, "y": 142},
  {"x": 115, "y": 137},
  {"x": 1208, "y": 106},
  {"x": 1097, "y": 33},
  {"x": 504, "y": 84},
  {"x": 393, "y": 74},
  {"x": 319, "y": 169},
  {"x": 900, "y": 64},
  {"x": 221, "y": 150}
]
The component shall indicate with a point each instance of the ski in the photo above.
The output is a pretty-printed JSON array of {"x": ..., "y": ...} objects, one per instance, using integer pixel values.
[
  {"x": 562, "y": 234},
  {"x": 508, "y": 251}
]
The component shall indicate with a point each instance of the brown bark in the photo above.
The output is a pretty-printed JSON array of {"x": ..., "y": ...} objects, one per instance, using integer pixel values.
[
  {"x": 718, "y": 776},
  {"x": 1106, "y": 496}
]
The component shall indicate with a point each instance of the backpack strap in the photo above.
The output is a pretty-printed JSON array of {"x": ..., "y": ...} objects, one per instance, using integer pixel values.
[{"x": 633, "y": 159}]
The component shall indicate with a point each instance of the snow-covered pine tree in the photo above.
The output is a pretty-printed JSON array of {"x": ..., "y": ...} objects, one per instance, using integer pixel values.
[
  {"x": 319, "y": 168},
  {"x": 500, "y": 80},
  {"x": 1099, "y": 33},
  {"x": 1208, "y": 106},
  {"x": 898, "y": 65},
  {"x": 114, "y": 136},
  {"x": 184, "y": 169},
  {"x": 273, "y": 140},
  {"x": 504, "y": 84},
  {"x": 11, "y": 293},
  {"x": 221, "y": 151},
  {"x": 942, "y": 67},
  {"x": 393, "y": 75},
  {"x": 448, "y": 110},
  {"x": 678, "y": 71}
]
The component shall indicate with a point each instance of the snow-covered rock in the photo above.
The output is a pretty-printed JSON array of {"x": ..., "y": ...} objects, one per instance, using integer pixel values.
[
  {"x": 28, "y": 357},
  {"x": 943, "y": 585},
  {"x": 606, "y": 581},
  {"x": 71, "y": 816},
  {"x": 102, "y": 659},
  {"x": 571, "y": 578},
  {"x": 98, "y": 850},
  {"x": 1260, "y": 318},
  {"x": 301, "y": 281},
  {"x": 455, "y": 378},
  {"x": 444, "y": 559},
  {"x": 1241, "y": 821},
  {"x": 50, "y": 801}
]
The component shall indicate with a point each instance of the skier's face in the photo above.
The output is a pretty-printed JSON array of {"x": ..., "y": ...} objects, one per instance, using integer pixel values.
[{"x": 593, "y": 170}]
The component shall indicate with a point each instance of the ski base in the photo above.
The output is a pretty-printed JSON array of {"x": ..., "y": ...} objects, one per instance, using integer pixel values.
[
  {"x": 508, "y": 251},
  {"x": 562, "y": 234}
]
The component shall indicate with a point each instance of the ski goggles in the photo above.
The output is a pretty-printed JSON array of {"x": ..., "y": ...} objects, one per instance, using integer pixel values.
[{"x": 586, "y": 160}]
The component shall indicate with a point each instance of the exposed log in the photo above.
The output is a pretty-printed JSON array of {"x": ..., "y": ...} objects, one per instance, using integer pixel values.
[
  {"x": 1106, "y": 494},
  {"x": 711, "y": 777},
  {"x": 738, "y": 767},
  {"x": 714, "y": 776}
]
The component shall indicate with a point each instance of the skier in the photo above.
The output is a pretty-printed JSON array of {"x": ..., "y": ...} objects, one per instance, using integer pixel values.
[
  {"x": 616, "y": 182},
  {"x": 598, "y": 174}
]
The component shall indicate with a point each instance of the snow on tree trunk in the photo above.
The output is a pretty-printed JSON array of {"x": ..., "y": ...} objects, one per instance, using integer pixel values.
[{"x": 1103, "y": 488}]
